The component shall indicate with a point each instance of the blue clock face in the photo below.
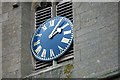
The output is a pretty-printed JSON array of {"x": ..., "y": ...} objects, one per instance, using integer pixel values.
[{"x": 52, "y": 38}]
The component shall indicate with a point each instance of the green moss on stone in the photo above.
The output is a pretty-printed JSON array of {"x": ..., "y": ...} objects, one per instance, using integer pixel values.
[{"x": 68, "y": 70}]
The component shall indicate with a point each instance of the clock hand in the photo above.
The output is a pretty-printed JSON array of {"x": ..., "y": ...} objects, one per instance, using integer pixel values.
[
  {"x": 55, "y": 28},
  {"x": 54, "y": 34},
  {"x": 60, "y": 29},
  {"x": 57, "y": 31}
]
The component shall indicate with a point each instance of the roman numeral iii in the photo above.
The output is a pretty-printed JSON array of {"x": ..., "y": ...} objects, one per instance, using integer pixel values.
[
  {"x": 67, "y": 32},
  {"x": 65, "y": 40}
]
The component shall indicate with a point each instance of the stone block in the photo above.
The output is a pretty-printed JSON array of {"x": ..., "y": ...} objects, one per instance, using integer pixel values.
[
  {"x": 0, "y": 18},
  {"x": 88, "y": 29},
  {"x": 77, "y": 56},
  {"x": 109, "y": 20},
  {"x": 88, "y": 15},
  {"x": 10, "y": 46},
  {"x": 108, "y": 29},
  {"x": 10, "y": 66},
  {"x": 26, "y": 6},
  {"x": 96, "y": 65},
  {"x": 88, "y": 36},
  {"x": 76, "y": 4},
  {"x": 0, "y": 75},
  {"x": 85, "y": 6},
  {"x": 89, "y": 23},
  {"x": 96, "y": 5},
  {"x": 57, "y": 73},
  {"x": 42, "y": 75},
  {"x": 110, "y": 61},
  {"x": 7, "y": 6},
  {"x": 0, "y": 39},
  {"x": 83, "y": 44},
  {"x": 0, "y": 64},
  {"x": 77, "y": 23},
  {"x": 53, "y": 73},
  {"x": 0, "y": 7},
  {"x": 109, "y": 40},
  {"x": 89, "y": 52},
  {"x": 11, "y": 55},
  {"x": 15, "y": 16},
  {"x": 11, "y": 31},
  {"x": 5, "y": 17},
  {"x": 14, "y": 74}
]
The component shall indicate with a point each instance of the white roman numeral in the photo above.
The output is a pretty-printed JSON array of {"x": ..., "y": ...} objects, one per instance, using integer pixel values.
[
  {"x": 36, "y": 43},
  {"x": 39, "y": 35},
  {"x": 38, "y": 49},
  {"x": 44, "y": 27},
  {"x": 52, "y": 23},
  {"x": 67, "y": 32},
  {"x": 43, "y": 53},
  {"x": 60, "y": 48},
  {"x": 64, "y": 26},
  {"x": 65, "y": 40},
  {"x": 51, "y": 53}
]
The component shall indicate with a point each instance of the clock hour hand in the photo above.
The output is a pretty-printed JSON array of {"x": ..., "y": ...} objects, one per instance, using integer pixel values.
[
  {"x": 57, "y": 31},
  {"x": 51, "y": 34}
]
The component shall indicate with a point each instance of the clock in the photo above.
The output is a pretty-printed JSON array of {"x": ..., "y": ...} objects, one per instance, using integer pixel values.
[{"x": 52, "y": 38}]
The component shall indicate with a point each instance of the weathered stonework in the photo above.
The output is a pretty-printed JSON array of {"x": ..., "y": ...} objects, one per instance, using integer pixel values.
[
  {"x": 95, "y": 42},
  {"x": 0, "y": 41},
  {"x": 16, "y": 29},
  {"x": 11, "y": 38}
]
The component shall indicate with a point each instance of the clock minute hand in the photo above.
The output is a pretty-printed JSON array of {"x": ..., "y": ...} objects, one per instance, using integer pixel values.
[
  {"x": 58, "y": 31},
  {"x": 55, "y": 28}
]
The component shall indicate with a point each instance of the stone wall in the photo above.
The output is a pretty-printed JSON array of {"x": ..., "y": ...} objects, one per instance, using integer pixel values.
[
  {"x": 16, "y": 35},
  {"x": 0, "y": 40},
  {"x": 27, "y": 29},
  {"x": 11, "y": 40},
  {"x": 95, "y": 42},
  {"x": 96, "y": 39}
]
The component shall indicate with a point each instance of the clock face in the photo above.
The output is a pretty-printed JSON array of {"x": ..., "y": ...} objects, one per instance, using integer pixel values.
[{"x": 52, "y": 38}]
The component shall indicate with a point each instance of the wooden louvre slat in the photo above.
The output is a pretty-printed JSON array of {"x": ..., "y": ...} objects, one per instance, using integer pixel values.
[
  {"x": 43, "y": 18},
  {"x": 43, "y": 10},
  {"x": 40, "y": 17},
  {"x": 68, "y": 9},
  {"x": 62, "y": 5},
  {"x": 65, "y": 10},
  {"x": 43, "y": 15}
]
